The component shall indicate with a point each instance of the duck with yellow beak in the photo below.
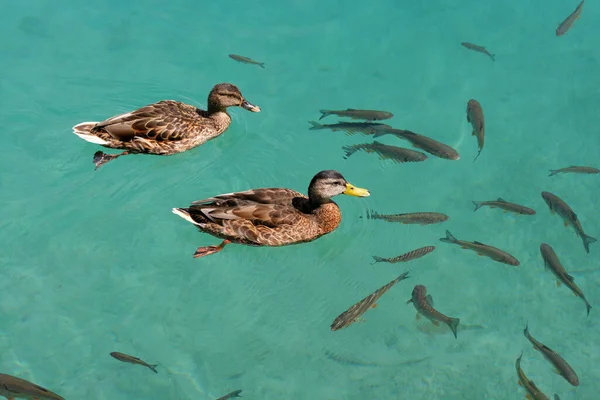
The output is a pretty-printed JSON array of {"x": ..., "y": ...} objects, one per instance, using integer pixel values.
[{"x": 271, "y": 216}]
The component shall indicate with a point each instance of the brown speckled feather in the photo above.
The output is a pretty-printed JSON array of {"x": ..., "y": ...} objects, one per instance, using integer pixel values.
[
  {"x": 264, "y": 217},
  {"x": 164, "y": 127}
]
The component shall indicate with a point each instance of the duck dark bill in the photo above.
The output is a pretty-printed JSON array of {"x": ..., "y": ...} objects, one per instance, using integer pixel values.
[
  {"x": 249, "y": 106},
  {"x": 352, "y": 190}
]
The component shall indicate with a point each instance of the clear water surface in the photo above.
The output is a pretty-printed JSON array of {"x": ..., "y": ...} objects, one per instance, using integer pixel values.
[{"x": 94, "y": 261}]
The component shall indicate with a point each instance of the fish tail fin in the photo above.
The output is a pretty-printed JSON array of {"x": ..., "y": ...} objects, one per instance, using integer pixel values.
[
  {"x": 349, "y": 150},
  {"x": 153, "y": 368},
  {"x": 553, "y": 172},
  {"x": 325, "y": 113},
  {"x": 587, "y": 240},
  {"x": 493, "y": 57},
  {"x": 477, "y": 205},
  {"x": 587, "y": 306},
  {"x": 262, "y": 64},
  {"x": 526, "y": 330},
  {"x": 449, "y": 238},
  {"x": 477, "y": 156},
  {"x": 315, "y": 125},
  {"x": 372, "y": 214},
  {"x": 378, "y": 259},
  {"x": 453, "y": 324}
]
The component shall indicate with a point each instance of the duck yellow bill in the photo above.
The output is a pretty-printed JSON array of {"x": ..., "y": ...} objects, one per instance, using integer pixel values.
[{"x": 352, "y": 190}]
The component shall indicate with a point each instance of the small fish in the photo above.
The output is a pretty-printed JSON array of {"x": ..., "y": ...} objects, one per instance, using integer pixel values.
[
  {"x": 575, "y": 169},
  {"x": 424, "y": 143},
  {"x": 562, "y": 367},
  {"x": 133, "y": 360},
  {"x": 411, "y": 255},
  {"x": 366, "y": 128},
  {"x": 479, "y": 49},
  {"x": 424, "y": 305},
  {"x": 369, "y": 115},
  {"x": 504, "y": 205},
  {"x": 12, "y": 387},
  {"x": 533, "y": 393},
  {"x": 566, "y": 24},
  {"x": 352, "y": 314},
  {"x": 483, "y": 250},
  {"x": 421, "y": 218},
  {"x": 560, "y": 207},
  {"x": 246, "y": 60},
  {"x": 386, "y": 152},
  {"x": 235, "y": 393},
  {"x": 477, "y": 121},
  {"x": 552, "y": 262}
]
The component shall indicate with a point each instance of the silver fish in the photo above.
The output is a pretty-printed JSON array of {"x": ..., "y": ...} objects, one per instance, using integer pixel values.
[
  {"x": 411, "y": 255},
  {"x": 424, "y": 143},
  {"x": 533, "y": 392},
  {"x": 386, "y": 152},
  {"x": 479, "y": 49},
  {"x": 483, "y": 250},
  {"x": 12, "y": 387},
  {"x": 246, "y": 60},
  {"x": 575, "y": 169},
  {"x": 352, "y": 314},
  {"x": 367, "y": 128},
  {"x": 552, "y": 262},
  {"x": 560, "y": 207},
  {"x": 235, "y": 393},
  {"x": 477, "y": 121},
  {"x": 424, "y": 305},
  {"x": 562, "y": 367},
  {"x": 369, "y": 115},
  {"x": 133, "y": 360},
  {"x": 421, "y": 218},
  {"x": 504, "y": 205},
  {"x": 566, "y": 24}
]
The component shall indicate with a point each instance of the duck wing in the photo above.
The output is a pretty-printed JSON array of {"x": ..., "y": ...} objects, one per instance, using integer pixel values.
[
  {"x": 270, "y": 215},
  {"x": 272, "y": 196},
  {"x": 163, "y": 121}
]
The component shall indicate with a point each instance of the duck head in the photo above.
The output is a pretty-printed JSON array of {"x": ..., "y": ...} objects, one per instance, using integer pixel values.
[
  {"x": 225, "y": 95},
  {"x": 329, "y": 183}
]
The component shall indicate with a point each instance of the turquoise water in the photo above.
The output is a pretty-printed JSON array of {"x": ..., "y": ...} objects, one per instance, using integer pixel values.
[{"x": 95, "y": 262}]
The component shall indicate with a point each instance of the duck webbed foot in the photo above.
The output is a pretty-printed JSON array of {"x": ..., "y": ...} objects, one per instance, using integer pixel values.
[
  {"x": 208, "y": 250},
  {"x": 101, "y": 158}
]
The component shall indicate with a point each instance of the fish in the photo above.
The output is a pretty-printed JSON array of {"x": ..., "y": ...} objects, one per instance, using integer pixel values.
[
  {"x": 477, "y": 121},
  {"x": 504, "y": 205},
  {"x": 359, "y": 363},
  {"x": 423, "y": 303},
  {"x": 386, "y": 152},
  {"x": 246, "y": 60},
  {"x": 133, "y": 360},
  {"x": 556, "y": 397},
  {"x": 483, "y": 250},
  {"x": 369, "y": 115},
  {"x": 562, "y": 367},
  {"x": 366, "y": 128},
  {"x": 12, "y": 387},
  {"x": 411, "y": 255},
  {"x": 560, "y": 207},
  {"x": 235, "y": 393},
  {"x": 354, "y": 313},
  {"x": 575, "y": 169},
  {"x": 568, "y": 22},
  {"x": 552, "y": 262},
  {"x": 479, "y": 49},
  {"x": 533, "y": 393},
  {"x": 421, "y": 218},
  {"x": 424, "y": 143}
]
